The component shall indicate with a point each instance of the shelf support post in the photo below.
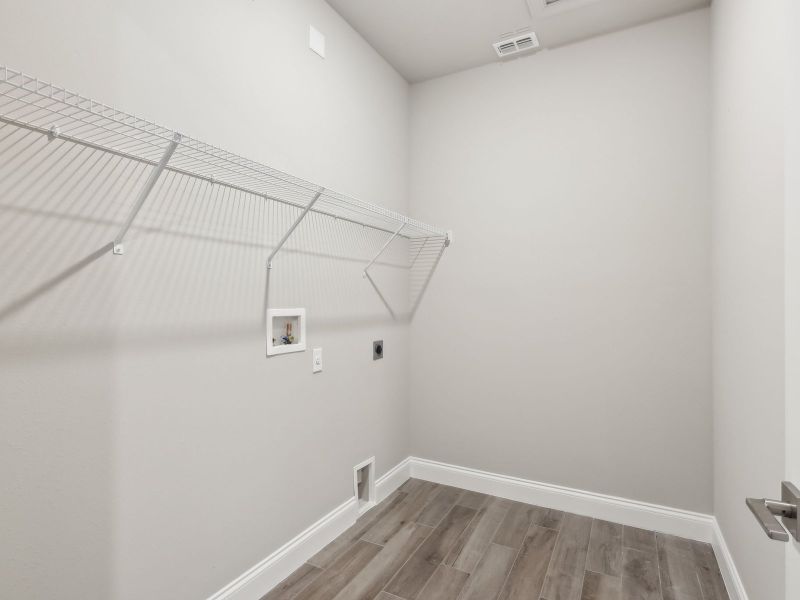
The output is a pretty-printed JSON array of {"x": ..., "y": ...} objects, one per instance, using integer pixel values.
[
  {"x": 365, "y": 274},
  {"x": 118, "y": 248},
  {"x": 288, "y": 234},
  {"x": 280, "y": 244}
]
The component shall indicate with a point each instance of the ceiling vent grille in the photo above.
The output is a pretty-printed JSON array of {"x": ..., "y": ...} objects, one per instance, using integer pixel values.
[{"x": 515, "y": 45}]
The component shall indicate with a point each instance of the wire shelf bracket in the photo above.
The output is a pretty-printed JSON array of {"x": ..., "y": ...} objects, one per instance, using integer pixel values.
[
  {"x": 119, "y": 249},
  {"x": 288, "y": 234},
  {"x": 283, "y": 241}
]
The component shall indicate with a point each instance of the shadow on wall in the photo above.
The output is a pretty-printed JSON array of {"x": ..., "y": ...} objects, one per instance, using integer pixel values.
[
  {"x": 194, "y": 265},
  {"x": 192, "y": 275}
]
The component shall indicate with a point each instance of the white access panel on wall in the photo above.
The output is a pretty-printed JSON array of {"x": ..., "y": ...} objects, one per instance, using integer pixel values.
[{"x": 286, "y": 330}]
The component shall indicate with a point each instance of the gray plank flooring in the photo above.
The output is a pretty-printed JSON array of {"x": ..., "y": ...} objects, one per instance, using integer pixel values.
[
  {"x": 434, "y": 542},
  {"x": 605, "y": 548}
]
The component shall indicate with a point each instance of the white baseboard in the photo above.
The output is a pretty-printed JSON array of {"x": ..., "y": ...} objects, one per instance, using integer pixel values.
[
  {"x": 259, "y": 579},
  {"x": 262, "y": 577},
  {"x": 687, "y": 524},
  {"x": 393, "y": 479},
  {"x": 730, "y": 575},
  {"x": 692, "y": 525}
]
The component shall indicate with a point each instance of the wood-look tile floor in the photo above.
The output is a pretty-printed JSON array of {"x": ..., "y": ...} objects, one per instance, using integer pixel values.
[{"x": 434, "y": 542}]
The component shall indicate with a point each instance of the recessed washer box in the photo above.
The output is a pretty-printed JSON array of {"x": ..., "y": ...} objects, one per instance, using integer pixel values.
[{"x": 286, "y": 330}]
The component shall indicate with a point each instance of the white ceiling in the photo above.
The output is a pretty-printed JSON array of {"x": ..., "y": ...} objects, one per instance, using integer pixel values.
[{"x": 423, "y": 39}]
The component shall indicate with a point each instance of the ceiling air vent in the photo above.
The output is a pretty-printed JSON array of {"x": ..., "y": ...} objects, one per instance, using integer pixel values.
[{"x": 515, "y": 45}]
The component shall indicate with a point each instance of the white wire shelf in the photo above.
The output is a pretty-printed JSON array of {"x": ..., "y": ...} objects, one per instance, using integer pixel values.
[{"x": 27, "y": 102}]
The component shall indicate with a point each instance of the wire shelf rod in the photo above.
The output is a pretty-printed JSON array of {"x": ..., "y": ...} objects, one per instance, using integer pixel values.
[
  {"x": 51, "y": 110},
  {"x": 209, "y": 179},
  {"x": 81, "y": 122}
]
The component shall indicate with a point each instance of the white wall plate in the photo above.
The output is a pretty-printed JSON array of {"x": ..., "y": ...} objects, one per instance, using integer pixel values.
[{"x": 316, "y": 364}]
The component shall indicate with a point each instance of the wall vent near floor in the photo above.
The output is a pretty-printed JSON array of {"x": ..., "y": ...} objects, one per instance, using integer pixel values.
[
  {"x": 364, "y": 484},
  {"x": 515, "y": 45}
]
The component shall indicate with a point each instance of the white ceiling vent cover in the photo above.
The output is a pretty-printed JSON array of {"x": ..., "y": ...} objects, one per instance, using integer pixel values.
[{"x": 515, "y": 45}]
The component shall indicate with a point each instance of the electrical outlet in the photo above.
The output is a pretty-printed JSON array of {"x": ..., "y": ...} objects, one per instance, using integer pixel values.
[
  {"x": 377, "y": 350},
  {"x": 317, "y": 365}
]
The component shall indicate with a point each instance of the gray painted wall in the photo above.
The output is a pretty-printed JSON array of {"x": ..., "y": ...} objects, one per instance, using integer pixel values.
[
  {"x": 566, "y": 336},
  {"x": 748, "y": 288},
  {"x": 144, "y": 434},
  {"x": 149, "y": 450}
]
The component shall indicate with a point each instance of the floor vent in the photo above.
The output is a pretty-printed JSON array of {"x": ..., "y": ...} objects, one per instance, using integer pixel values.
[{"x": 516, "y": 45}]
